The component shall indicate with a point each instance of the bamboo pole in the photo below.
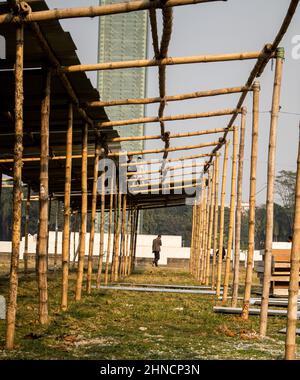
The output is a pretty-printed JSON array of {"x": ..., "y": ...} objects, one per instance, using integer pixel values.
[
  {"x": 216, "y": 220},
  {"x": 210, "y": 229},
  {"x": 133, "y": 212},
  {"x": 123, "y": 224},
  {"x": 26, "y": 229},
  {"x": 44, "y": 203},
  {"x": 93, "y": 220},
  {"x": 163, "y": 183},
  {"x": 205, "y": 230},
  {"x": 102, "y": 223},
  {"x": 17, "y": 190},
  {"x": 170, "y": 61},
  {"x": 133, "y": 262},
  {"x": 170, "y": 136},
  {"x": 221, "y": 228},
  {"x": 127, "y": 242},
  {"x": 165, "y": 189},
  {"x": 111, "y": 198},
  {"x": 173, "y": 149},
  {"x": 67, "y": 212},
  {"x": 238, "y": 218},
  {"x": 270, "y": 193},
  {"x": 168, "y": 169},
  {"x": 192, "y": 238},
  {"x": 252, "y": 201},
  {"x": 56, "y": 235},
  {"x": 145, "y": 120},
  {"x": 117, "y": 244},
  {"x": 81, "y": 255},
  {"x": 74, "y": 225},
  {"x": 174, "y": 98},
  {"x": 231, "y": 215},
  {"x": 290, "y": 341},
  {"x": 95, "y": 11},
  {"x": 201, "y": 229}
]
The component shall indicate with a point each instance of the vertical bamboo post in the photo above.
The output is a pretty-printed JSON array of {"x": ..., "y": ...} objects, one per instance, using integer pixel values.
[
  {"x": 135, "y": 240},
  {"x": 211, "y": 222},
  {"x": 74, "y": 225},
  {"x": 127, "y": 241},
  {"x": 133, "y": 214},
  {"x": 270, "y": 193},
  {"x": 199, "y": 232},
  {"x": 108, "y": 249},
  {"x": 17, "y": 190},
  {"x": 238, "y": 217},
  {"x": 205, "y": 242},
  {"x": 222, "y": 216},
  {"x": 44, "y": 203},
  {"x": 27, "y": 230},
  {"x": 290, "y": 340},
  {"x": 102, "y": 222},
  {"x": 123, "y": 232},
  {"x": 252, "y": 201},
  {"x": 67, "y": 212},
  {"x": 115, "y": 233},
  {"x": 192, "y": 238},
  {"x": 117, "y": 245},
  {"x": 231, "y": 215},
  {"x": 216, "y": 220},
  {"x": 93, "y": 220},
  {"x": 81, "y": 255},
  {"x": 56, "y": 235}
]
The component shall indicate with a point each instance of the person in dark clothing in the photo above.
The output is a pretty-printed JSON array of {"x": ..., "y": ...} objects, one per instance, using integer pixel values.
[
  {"x": 156, "y": 244},
  {"x": 223, "y": 253}
]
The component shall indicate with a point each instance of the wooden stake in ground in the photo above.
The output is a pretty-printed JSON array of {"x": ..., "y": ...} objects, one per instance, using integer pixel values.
[
  {"x": 102, "y": 222},
  {"x": 93, "y": 220},
  {"x": 290, "y": 341},
  {"x": 108, "y": 249},
  {"x": 252, "y": 201},
  {"x": 17, "y": 190},
  {"x": 238, "y": 217},
  {"x": 56, "y": 235},
  {"x": 231, "y": 215},
  {"x": 44, "y": 204},
  {"x": 83, "y": 214},
  {"x": 67, "y": 212},
  {"x": 221, "y": 229},
  {"x": 216, "y": 220},
  {"x": 26, "y": 230},
  {"x": 270, "y": 193}
]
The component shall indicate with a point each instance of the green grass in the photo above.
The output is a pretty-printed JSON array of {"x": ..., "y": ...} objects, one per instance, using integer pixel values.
[{"x": 129, "y": 325}]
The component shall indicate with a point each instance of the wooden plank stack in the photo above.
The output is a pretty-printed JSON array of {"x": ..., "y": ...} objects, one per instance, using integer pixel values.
[{"x": 280, "y": 275}]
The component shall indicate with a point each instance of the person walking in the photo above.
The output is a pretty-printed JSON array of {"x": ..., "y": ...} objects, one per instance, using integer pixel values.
[{"x": 156, "y": 244}]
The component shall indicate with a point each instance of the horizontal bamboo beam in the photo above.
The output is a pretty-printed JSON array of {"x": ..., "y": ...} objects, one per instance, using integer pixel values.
[
  {"x": 166, "y": 189},
  {"x": 149, "y": 179},
  {"x": 160, "y": 161},
  {"x": 155, "y": 119},
  {"x": 163, "y": 183},
  {"x": 171, "y": 136},
  {"x": 173, "y": 98},
  {"x": 95, "y": 11},
  {"x": 152, "y": 151},
  {"x": 170, "y": 61},
  {"x": 37, "y": 159},
  {"x": 178, "y": 167}
]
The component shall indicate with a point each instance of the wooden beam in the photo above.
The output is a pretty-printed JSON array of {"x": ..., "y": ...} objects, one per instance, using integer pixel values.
[
  {"x": 173, "y": 98},
  {"x": 95, "y": 11},
  {"x": 145, "y": 120}
]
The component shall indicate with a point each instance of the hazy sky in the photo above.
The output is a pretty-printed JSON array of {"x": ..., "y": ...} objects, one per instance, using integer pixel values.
[{"x": 220, "y": 27}]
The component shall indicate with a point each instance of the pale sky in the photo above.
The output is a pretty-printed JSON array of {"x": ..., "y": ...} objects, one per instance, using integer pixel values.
[{"x": 215, "y": 28}]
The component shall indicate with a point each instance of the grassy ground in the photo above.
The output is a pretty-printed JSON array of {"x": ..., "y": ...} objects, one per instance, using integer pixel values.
[{"x": 127, "y": 325}]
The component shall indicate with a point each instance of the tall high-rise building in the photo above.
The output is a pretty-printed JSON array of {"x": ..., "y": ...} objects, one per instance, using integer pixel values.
[{"x": 123, "y": 37}]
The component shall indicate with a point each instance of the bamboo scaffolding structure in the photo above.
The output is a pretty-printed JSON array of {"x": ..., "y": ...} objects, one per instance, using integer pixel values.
[
  {"x": 238, "y": 217},
  {"x": 83, "y": 226},
  {"x": 26, "y": 228},
  {"x": 174, "y": 98},
  {"x": 111, "y": 198},
  {"x": 171, "y": 136},
  {"x": 44, "y": 203},
  {"x": 173, "y": 149},
  {"x": 290, "y": 341},
  {"x": 221, "y": 227},
  {"x": 95, "y": 11},
  {"x": 102, "y": 223},
  {"x": 252, "y": 201},
  {"x": 231, "y": 215},
  {"x": 67, "y": 212},
  {"x": 146, "y": 120},
  {"x": 210, "y": 227},
  {"x": 17, "y": 190},
  {"x": 93, "y": 220},
  {"x": 270, "y": 193},
  {"x": 216, "y": 220},
  {"x": 56, "y": 235}
]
